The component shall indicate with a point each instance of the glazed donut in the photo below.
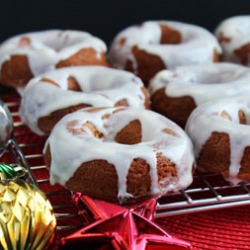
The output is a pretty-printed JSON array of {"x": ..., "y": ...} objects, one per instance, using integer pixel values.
[
  {"x": 220, "y": 133},
  {"x": 234, "y": 38},
  {"x": 49, "y": 97},
  {"x": 119, "y": 154},
  {"x": 25, "y": 56},
  {"x": 175, "y": 93},
  {"x": 155, "y": 45}
]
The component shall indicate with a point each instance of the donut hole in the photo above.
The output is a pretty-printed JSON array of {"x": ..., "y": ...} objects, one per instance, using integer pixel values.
[
  {"x": 169, "y": 35},
  {"x": 130, "y": 134}
]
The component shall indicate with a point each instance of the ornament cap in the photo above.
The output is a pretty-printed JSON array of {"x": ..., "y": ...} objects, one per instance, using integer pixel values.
[{"x": 12, "y": 171}]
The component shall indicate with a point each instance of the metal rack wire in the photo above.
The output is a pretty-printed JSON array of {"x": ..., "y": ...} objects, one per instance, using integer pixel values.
[
  {"x": 25, "y": 148},
  {"x": 208, "y": 191}
]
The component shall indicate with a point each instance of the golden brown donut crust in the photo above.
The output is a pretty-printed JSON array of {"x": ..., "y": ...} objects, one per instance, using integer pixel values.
[
  {"x": 215, "y": 156},
  {"x": 176, "y": 109},
  {"x": 98, "y": 178},
  {"x": 147, "y": 64},
  {"x": 243, "y": 53},
  {"x": 83, "y": 57},
  {"x": 16, "y": 71},
  {"x": 46, "y": 123}
]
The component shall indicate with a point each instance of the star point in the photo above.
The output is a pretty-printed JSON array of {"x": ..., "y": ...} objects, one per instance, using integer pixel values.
[{"x": 114, "y": 227}]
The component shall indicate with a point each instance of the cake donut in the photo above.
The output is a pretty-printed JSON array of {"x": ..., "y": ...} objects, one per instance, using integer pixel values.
[
  {"x": 119, "y": 154},
  {"x": 176, "y": 93},
  {"x": 220, "y": 133},
  {"x": 234, "y": 38},
  {"x": 50, "y": 96},
  {"x": 27, "y": 55},
  {"x": 152, "y": 46}
]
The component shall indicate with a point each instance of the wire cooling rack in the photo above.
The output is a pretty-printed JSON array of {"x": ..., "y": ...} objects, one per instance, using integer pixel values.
[
  {"x": 208, "y": 191},
  {"x": 25, "y": 148}
]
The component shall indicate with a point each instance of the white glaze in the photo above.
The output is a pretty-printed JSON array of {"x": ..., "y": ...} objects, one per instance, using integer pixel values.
[
  {"x": 206, "y": 119},
  {"x": 197, "y": 46},
  {"x": 49, "y": 47},
  {"x": 102, "y": 86},
  {"x": 237, "y": 30},
  {"x": 203, "y": 82},
  {"x": 73, "y": 150}
]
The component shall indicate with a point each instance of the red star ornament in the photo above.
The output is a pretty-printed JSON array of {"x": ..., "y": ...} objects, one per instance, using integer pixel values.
[{"x": 120, "y": 228}]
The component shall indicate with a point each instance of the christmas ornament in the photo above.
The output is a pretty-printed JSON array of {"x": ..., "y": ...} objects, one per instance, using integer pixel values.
[
  {"x": 118, "y": 228},
  {"x": 6, "y": 126},
  {"x": 27, "y": 220},
  {"x": 12, "y": 171}
]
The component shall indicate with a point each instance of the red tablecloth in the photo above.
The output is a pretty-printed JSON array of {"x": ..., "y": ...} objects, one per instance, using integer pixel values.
[{"x": 218, "y": 229}]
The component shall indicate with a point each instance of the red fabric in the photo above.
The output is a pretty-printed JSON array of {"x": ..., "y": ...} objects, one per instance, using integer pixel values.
[{"x": 217, "y": 229}]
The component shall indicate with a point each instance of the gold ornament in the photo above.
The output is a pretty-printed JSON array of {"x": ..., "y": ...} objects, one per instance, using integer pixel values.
[{"x": 27, "y": 220}]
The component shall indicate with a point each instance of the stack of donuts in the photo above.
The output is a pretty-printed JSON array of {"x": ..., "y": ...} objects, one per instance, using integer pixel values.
[{"x": 134, "y": 120}]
